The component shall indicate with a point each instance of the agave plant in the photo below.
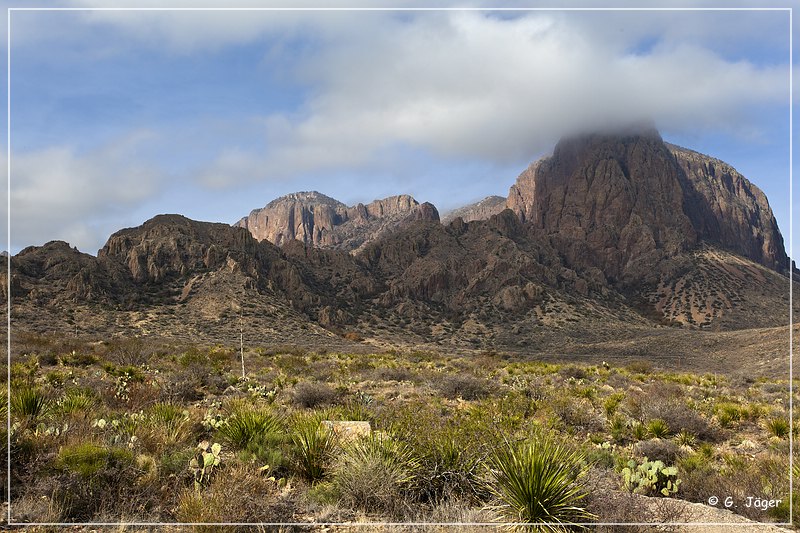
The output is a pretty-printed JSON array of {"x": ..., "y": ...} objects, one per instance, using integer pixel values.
[{"x": 538, "y": 484}]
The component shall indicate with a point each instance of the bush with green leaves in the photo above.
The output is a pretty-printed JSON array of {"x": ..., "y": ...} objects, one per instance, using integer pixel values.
[
  {"x": 651, "y": 477},
  {"x": 314, "y": 445},
  {"x": 539, "y": 481},
  {"x": 777, "y": 426},
  {"x": 77, "y": 401},
  {"x": 375, "y": 474}
]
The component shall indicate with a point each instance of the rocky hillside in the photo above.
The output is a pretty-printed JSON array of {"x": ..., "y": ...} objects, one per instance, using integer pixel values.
[
  {"x": 480, "y": 210},
  {"x": 313, "y": 218}
]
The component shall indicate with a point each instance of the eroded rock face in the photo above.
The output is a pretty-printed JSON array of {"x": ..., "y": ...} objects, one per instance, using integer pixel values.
[
  {"x": 609, "y": 201},
  {"x": 627, "y": 203},
  {"x": 313, "y": 218},
  {"x": 727, "y": 209}
]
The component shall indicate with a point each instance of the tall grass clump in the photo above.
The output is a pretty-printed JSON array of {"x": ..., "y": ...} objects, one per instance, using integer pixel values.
[
  {"x": 171, "y": 421},
  {"x": 314, "y": 446},
  {"x": 247, "y": 426},
  {"x": 375, "y": 474},
  {"x": 539, "y": 482}
]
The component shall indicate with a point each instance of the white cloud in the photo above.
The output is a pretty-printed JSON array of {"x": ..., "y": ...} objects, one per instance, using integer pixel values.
[
  {"x": 464, "y": 85},
  {"x": 64, "y": 195}
]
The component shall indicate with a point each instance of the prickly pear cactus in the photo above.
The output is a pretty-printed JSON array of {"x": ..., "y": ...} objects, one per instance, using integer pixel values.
[
  {"x": 204, "y": 461},
  {"x": 651, "y": 477}
]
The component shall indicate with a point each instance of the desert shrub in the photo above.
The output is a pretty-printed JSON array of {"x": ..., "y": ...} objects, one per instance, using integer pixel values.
[
  {"x": 778, "y": 427},
  {"x": 658, "y": 450},
  {"x": 313, "y": 394},
  {"x": 685, "y": 438},
  {"x": 314, "y": 446},
  {"x": 640, "y": 367},
  {"x": 76, "y": 358},
  {"x": 249, "y": 425},
  {"x": 449, "y": 466},
  {"x": 619, "y": 428},
  {"x": 395, "y": 374},
  {"x": 539, "y": 480},
  {"x": 374, "y": 474},
  {"x": 639, "y": 431},
  {"x": 678, "y": 416},
  {"x": 166, "y": 424},
  {"x": 578, "y": 414},
  {"x": 572, "y": 371},
  {"x": 241, "y": 495},
  {"x": 463, "y": 386},
  {"x": 29, "y": 402},
  {"x": 92, "y": 477},
  {"x": 612, "y": 402}
]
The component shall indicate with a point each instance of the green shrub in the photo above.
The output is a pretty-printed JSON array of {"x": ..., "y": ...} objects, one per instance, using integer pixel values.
[
  {"x": 651, "y": 477},
  {"x": 314, "y": 446},
  {"x": 539, "y": 481},
  {"x": 168, "y": 421},
  {"x": 88, "y": 459},
  {"x": 612, "y": 403},
  {"x": 77, "y": 401}
]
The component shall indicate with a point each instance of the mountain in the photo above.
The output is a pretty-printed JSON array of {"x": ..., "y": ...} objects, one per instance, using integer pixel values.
[
  {"x": 480, "y": 210},
  {"x": 313, "y": 218},
  {"x": 616, "y": 243}
]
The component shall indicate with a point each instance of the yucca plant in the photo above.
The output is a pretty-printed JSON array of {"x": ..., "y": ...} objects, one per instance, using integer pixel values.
[
  {"x": 538, "y": 484},
  {"x": 658, "y": 428},
  {"x": 249, "y": 425},
  {"x": 29, "y": 402},
  {"x": 685, "y": 438},
  {"x": 314, "y": 445}
]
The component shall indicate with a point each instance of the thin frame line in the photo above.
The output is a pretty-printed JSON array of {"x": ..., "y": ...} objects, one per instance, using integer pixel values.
[
  {"x": 791, "y": 282},
  {"x": 8, "y": 259},
  {"x": 387, "y": 9},
  {"x": 420, "y": 9}
]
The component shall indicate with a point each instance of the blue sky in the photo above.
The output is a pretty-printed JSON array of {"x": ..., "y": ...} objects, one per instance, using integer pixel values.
[{"x": 121, "y": 115}]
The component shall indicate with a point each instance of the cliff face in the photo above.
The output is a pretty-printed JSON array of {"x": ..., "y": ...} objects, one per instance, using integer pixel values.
[
  {"x": 480, "y": 210},
  {"x": 316, "y": 219},
  {"x": 725, "y": 208},
  {"x": 627, "y": 203},
  {"x": 608, "y": 201}
]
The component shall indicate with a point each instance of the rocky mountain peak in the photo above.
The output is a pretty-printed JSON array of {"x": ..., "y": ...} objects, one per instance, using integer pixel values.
[
  {"x": 625, "y": 201},
  {"x": 318, "y": 220}
]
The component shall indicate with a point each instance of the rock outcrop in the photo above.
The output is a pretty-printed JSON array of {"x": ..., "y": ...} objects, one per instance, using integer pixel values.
[
  {"x": 316, "y": 219},
  {"x": 480, "y": 210},
  {"x": 725, "y": 208},
  {"x": 627, "y": 203}
]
